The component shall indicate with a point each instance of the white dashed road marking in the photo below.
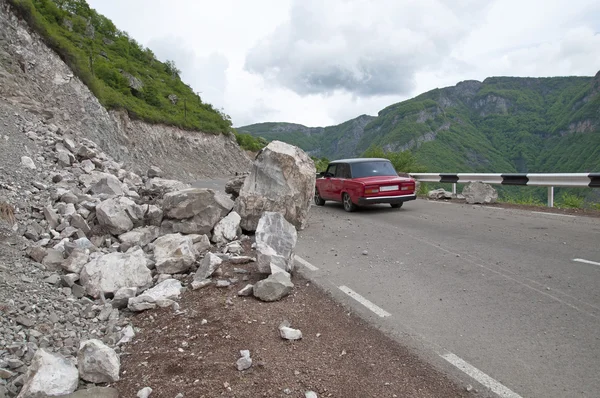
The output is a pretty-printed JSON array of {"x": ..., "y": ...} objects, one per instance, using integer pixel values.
[
  {"x": 377, "y": 310},
  {"x": 580, "y": 260},
  {"x": 305, "y": 263},
  {"x": 481, "y": 377}
]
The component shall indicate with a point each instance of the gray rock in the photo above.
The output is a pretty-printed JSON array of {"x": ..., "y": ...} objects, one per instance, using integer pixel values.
[
  {"x": 97, "y": 362},
  {"x": 94, "y": 392},
  {"x": 110, "y": 272},
  {"x": 200, "y": 284},
  {"x": 85, "y": 152},
  {"x": 246, "y": 290},
  {"x": 140, "y": 236},
  {"x": 275, "y": 242},
  {"x": 202, "y": 244},
  {"x": 117, "y": 215},
  {"x": 79, "y": 222},
  {"x": 37, "y": 253},
  {"x": 108, "y": 184},
  {"x": 53, "y": 259},
  {"x": 154, "y": 171},
  {"x": 69, "y": 197},
  {"x": 51, "y": 216},
  {"x": 75, "y": 262},
  {"x": 288, "y": 333},
  {"x": 227, "y": 229},
  {"x": 27, "y": 162},
  {"x": 122, "y": 296},
  {"x": 64, "y": 159},
  {"x": 208, "y": 266},
  {"x": 206, "y": 205},
  {"x": 127, "y": 335},
  {"x": 174, "y": 253},
  {"x": 169, "y": 289},
  {"x": 88, "y": 166},
  {"x": 440, "y": 193},
  {"x": 234, "y": 185},
  {"x": 282, "y": 180},
  {"x": 144, "y": 392},
  {"x": 245, "y": 362},
  {"x": 479, "y": 192},
  {"x": 161, "y": 185},
  {"x": 275, "y": 287},
  {"x": 49, "y": 375},
  {"x": 223, "y": 283}
]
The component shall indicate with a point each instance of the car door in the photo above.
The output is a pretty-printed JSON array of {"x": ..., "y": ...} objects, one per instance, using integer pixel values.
[
  {"x": 342, "y": 172},
  {"x": 325, "y": 190}
]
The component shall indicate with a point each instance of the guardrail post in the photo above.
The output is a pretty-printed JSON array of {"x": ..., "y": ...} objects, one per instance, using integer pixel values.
[
  {"x": 454, "y": 189},
  {"x": 550, "y": 196}
]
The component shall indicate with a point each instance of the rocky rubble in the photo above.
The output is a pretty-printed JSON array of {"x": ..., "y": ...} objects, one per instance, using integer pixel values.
[{"x": 103, "y": 243}]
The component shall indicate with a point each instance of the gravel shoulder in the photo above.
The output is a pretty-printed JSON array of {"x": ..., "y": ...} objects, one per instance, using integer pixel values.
[{"x": 339, "y": 355}]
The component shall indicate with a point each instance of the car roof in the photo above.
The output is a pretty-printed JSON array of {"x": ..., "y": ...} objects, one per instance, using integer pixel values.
[{"x": 358, "y": 160}]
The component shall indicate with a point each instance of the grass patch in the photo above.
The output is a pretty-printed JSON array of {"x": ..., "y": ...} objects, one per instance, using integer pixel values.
[{"x": 118, "y": 70}]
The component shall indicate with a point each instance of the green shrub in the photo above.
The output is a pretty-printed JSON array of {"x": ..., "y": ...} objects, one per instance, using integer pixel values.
[{"x": 570, "y": 201}]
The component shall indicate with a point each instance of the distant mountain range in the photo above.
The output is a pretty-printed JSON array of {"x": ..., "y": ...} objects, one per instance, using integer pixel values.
[{"x": 502, "y": 125}]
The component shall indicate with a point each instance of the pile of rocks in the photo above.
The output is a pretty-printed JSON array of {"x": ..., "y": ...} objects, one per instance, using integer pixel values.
[
  {"x": 474, "y": 192},
  {"x": 106, "y": 242}
]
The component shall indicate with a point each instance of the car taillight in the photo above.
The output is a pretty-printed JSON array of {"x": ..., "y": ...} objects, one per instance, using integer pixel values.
[
  {"x": 371, "y": 190},
  {"x": 407, "y": 187}
]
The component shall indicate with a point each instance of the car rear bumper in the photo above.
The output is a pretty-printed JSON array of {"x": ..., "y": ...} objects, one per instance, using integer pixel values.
[{"x": 386, "y": 199}]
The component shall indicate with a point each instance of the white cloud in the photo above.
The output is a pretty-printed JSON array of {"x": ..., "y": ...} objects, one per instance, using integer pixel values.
[
  {"x": 322, "y": 62},
  {"x": 352, "y": 46}
]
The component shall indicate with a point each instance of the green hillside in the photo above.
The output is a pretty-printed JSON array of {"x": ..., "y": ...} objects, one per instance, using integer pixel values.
[
  {"x": 503, "y": 124},
  {"x": 118, "y": 70}
]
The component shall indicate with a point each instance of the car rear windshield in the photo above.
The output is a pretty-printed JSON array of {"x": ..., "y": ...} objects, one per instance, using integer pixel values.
[{"x": 375, "y": 168}]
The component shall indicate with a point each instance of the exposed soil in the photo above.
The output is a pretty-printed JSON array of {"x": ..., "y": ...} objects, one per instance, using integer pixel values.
[{"x": 340, "y": 355}]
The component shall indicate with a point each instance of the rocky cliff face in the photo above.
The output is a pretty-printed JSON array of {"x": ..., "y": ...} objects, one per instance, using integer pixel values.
[{"x": 36, "y": 86}]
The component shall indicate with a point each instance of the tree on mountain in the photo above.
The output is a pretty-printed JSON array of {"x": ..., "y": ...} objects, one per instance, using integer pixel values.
[
  {"x": 403, "y": 162},
  {"x": 171, "y": 68}
]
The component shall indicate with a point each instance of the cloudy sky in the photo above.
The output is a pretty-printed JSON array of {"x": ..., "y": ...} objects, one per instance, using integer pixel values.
[{"x": 321, "y": 62}]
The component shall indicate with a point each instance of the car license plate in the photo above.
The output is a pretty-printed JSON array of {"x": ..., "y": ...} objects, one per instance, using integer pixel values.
[{"x": 389, "y": 188}]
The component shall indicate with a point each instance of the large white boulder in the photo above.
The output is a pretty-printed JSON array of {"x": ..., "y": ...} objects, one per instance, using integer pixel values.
[
  {"x": 117, "y": 215},
  {"x": 174, "y": 253},
  {"x": 97, "y": 362},
  {"x": 227, "y": 229},
  {"x": 479, "y": 192},
  {"x": 282, "y": 180},
  {"x": 49, "y": 375},
  {"x": 275, "y": 242},
  {"x": 110, "y": 272}
]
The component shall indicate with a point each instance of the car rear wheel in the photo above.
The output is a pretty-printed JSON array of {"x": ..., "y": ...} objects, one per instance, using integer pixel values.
[
  {"x": 319, "y": 201},
  {"x": 348, "y": 205},
  {"x": 396, "y": 205}
]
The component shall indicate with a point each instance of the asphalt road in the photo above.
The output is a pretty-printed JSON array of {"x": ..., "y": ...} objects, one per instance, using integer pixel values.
[{"x": 496, "y": 288}]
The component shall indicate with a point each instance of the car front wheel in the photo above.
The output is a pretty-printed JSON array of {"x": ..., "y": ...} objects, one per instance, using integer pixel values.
[
  {"x": 319, "y": 201},
  {"x": 396, "y": 205},
  {"x": 348, "y": 205}
]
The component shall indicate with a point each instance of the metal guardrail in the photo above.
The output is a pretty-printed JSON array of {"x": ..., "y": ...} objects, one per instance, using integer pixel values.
[{"x": 550, "y": 180}]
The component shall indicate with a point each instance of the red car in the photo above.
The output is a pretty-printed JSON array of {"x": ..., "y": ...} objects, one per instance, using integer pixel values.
[{"x": 366, "y": 181}]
